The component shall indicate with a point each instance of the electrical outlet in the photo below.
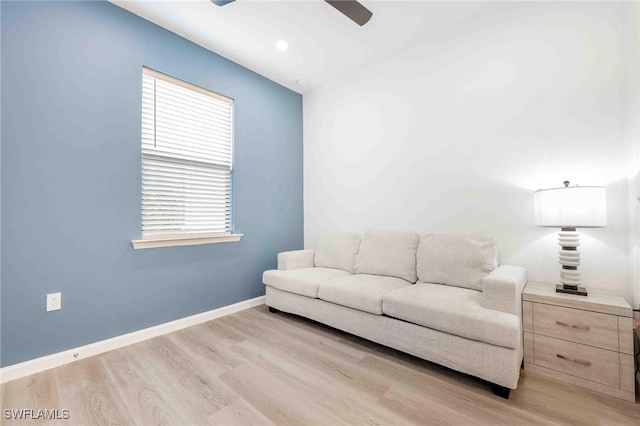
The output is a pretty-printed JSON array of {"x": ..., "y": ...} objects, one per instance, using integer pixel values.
[{"x": 54, "y": 301}]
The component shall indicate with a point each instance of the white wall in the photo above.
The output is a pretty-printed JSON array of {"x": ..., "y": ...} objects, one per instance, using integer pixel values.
[
  {"x": 632, "y": 28},
  {"x": 454, "y": 133}
]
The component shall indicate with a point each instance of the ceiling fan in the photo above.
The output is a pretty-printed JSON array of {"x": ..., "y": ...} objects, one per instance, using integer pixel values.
[{"x": 352, "y": 9}]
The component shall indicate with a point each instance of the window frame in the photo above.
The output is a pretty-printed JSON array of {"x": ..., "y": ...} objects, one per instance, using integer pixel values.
[{"x": 188, "y": 238}]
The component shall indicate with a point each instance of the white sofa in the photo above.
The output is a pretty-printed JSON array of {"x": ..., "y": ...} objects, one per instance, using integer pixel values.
[{"x": 440, "y": 297}]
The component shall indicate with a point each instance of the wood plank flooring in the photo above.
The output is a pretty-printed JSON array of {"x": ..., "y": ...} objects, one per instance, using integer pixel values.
[{"x": 258, "y": 368}]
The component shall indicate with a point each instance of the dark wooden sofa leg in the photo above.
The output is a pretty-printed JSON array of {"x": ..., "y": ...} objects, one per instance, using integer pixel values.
[
  {"x": 273, "y": 310},
  {"x": 501, "y": 391}
]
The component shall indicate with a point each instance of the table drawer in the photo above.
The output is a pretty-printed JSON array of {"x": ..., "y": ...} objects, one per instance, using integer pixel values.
[
  {"x": 597, "y": 365},
  {"x": 589, "y": 328}
]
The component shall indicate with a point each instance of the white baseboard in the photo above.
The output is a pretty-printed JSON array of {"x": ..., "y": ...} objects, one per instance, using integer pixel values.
[{"x": 23, "y": 369}]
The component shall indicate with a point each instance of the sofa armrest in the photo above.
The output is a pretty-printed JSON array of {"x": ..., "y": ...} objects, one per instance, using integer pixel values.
[
  {"x": 296, "y": 259},
  {"x": 502, "y": 289}
]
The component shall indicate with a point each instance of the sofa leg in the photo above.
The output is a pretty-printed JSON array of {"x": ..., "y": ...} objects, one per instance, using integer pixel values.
[
  {"x": 501, "y": 391},
  {"x": 273, "y": 310}
]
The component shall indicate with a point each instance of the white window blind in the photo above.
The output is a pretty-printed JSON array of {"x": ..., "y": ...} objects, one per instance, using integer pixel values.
[{"x": 187, "y": 152}]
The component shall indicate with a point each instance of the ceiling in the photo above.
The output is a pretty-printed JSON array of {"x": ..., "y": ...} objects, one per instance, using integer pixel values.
[{"x": 323, "y": 43}]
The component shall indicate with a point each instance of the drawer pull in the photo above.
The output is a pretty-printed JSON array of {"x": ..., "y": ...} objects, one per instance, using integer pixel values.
[
  {"x": 579, "y": 327},
  {"x": 577, "y": 361}
]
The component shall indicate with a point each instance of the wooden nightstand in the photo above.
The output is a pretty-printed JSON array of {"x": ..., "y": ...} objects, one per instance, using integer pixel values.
[{"x": 584, "y": 340}]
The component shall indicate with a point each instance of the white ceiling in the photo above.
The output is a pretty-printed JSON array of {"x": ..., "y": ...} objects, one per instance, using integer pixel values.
[{"x": 323, "y": 43}]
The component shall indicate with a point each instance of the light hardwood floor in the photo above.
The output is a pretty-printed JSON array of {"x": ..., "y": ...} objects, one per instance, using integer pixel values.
[{"x": 254, "y": 367}]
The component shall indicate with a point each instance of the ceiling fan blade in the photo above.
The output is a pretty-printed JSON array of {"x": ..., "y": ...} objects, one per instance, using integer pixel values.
[
  {"x": 353, "y": 10},
  {"x": 221, "y": 2}
]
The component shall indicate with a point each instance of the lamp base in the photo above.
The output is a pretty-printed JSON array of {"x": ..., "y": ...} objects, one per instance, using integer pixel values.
[{"x": 570, "y": 289}]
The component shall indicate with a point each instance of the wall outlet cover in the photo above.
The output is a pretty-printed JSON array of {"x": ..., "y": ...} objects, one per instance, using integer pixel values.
[{"x": 54, "y": 301}]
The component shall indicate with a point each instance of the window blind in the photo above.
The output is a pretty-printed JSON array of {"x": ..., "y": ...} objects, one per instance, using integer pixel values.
[{"x": 187, "y": 152}]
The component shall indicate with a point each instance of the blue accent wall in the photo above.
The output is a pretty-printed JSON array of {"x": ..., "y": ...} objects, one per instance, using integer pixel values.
[{"x": 70, "y": 179}]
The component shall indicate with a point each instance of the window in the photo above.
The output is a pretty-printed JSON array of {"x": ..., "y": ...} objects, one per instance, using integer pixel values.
[{"x": 187, "y": 157}]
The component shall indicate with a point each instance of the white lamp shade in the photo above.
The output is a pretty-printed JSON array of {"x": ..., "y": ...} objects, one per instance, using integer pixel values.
[{"x": 571, "y": 207}]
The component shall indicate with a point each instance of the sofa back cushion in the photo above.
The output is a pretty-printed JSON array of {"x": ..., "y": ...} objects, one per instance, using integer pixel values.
[
  {"x": 390, "y": 253},
  {"x": 460, "y": 260},
  {"x": 337, "y": 250}
]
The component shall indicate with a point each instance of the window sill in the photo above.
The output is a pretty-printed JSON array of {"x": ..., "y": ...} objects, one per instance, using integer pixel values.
[{"x": 184, "y": 240}]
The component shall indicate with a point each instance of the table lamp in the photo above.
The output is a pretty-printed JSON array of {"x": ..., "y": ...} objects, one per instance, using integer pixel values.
[{"x": 568, "y": 208}]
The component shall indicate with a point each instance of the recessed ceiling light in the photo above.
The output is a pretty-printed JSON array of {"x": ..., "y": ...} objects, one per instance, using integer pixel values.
[
  {"x": 282, "y": 45},
  {"x": 302, "y": 82}
]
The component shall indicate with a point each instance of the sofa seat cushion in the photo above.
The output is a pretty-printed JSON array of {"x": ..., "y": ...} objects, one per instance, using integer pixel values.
[
  {"x": 361, "y": 291},
  {"x": 302, "y": 281},
  {"x": 453, "y": 310}
]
